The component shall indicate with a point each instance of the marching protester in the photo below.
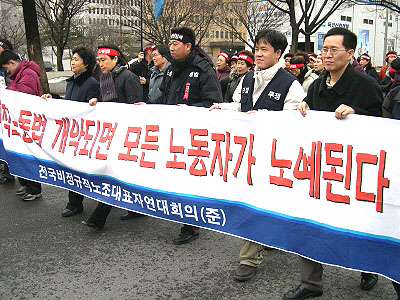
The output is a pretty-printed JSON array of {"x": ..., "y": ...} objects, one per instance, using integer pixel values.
[
  {"x": 24, "y": 78},
  {"x": 389, "y": 107},
  {"x": 117, "y": 84},
  {"x": 287, "y": 57},
  {"x": 300, "y": 70},
  {"x": 365, "y": 62},
  {"x": 319, "y": 65},
  {"x": 222, "y": 65},
  {"x": 5, "y": 175},
  {"x": 244, "y": 64},
  {"x": 142, "y": 68},
  {"x": 161, "y": 57},
  {"x": 312, "y": 56},
  {"x": 233, "y": 61},
  {"x": 252, "y": 94},
  {"x": 390, "y": 56},
  {"x": 82, "y": 87},
  {"x": 202, "y": 89},
  {"x": 343, "y": 91}
]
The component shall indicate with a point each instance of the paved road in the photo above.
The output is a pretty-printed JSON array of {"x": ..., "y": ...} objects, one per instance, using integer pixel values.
[{"x": 45, "y": 256}]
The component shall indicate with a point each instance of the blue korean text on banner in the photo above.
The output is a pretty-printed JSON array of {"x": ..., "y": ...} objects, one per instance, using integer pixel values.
[{"x": 158, "y": 8}]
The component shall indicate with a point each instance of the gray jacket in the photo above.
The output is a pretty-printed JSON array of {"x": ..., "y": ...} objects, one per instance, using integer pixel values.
[{"x": 155, "y": 95}]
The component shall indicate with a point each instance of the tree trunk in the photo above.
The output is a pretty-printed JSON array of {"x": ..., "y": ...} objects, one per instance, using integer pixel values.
[
  {"x": 60, "y": 53},
  {"x": 295, "y": 39},
  {"x": 307, "y": 46},
  {"x": 33, "y": 40}
]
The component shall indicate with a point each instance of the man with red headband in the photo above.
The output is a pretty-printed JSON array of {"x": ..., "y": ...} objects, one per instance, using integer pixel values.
[{"x": 189, "y": 80}]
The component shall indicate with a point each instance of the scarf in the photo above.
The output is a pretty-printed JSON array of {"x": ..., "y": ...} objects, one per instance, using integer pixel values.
[{"x": 107, "y": 87}]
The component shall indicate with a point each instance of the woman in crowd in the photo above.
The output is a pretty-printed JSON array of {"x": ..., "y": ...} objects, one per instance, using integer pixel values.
[
  {"x": 319, "y": 65},
  {"x": 365, "y": 62},
  {"x": 299, "y": 69},
  {"x": 244, "y": 64},
  {"x": 82, "y": 87},
  {"x": 287, "y": 57},
  {"x": 222, "y": 64},
  {"x": 117, "y": 84}
]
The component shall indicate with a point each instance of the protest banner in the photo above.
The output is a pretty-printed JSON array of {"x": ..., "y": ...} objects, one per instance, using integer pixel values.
[{"x": 326, "y": 189}]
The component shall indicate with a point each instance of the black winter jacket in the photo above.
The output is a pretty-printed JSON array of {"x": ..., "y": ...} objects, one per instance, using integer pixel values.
[
  {"x": 192, "y": 81},
  {"x": 82, "y": 88},
  {"x": 142, "y": 69},
  {"x": 354, "y": 89},
  {"x": 127, "y": 85}
]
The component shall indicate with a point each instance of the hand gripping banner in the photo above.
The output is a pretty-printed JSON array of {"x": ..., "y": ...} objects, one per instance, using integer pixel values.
[{"x": 326, "y": 189}]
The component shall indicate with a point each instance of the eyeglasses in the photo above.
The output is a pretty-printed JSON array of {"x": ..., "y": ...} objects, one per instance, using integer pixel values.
[{"x": 333, "y": 50}]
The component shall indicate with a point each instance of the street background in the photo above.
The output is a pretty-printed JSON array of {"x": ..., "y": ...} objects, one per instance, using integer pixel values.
[{"x": 45, "y": 256}]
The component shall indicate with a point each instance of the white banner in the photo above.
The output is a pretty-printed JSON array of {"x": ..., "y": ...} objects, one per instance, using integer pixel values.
[{"x": 324, "y": 188}]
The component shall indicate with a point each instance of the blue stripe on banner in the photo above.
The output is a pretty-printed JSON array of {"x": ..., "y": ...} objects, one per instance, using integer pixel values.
[
  {"x": 2, "y": 151},
  {"x": 327, "y": 244}
]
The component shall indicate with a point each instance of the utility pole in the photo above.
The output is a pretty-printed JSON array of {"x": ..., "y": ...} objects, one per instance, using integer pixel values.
[{"x": 385, "y": 41}]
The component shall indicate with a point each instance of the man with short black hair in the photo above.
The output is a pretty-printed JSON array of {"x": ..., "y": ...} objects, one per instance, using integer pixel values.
[
  {"x": 24, "y": 78},
  {"x": 189, "y": 80},
  {"x": 268, "y": 87},
  {"x": 344, "y": 91}
]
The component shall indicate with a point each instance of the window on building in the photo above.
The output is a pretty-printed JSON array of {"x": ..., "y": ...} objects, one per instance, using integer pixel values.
[
  {"x": 389, "y": 25},
  {"x": 226, "y": 35},
  {"x": 90, "y": 21},
  {"x": 217, "y": 34},
  {"x": 371, "y": 22},
  {"x": 345, "y": 18},
  {"x": 98, "y": 10}
]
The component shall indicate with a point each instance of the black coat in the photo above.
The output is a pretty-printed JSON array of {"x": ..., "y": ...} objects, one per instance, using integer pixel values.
[
  {"x": 142, "y": 69},
  {"x": 82, "y": 88},
  {"x": 127, "y": 86},
  {"x": 372, "y": 72},
  {"x": 357, "y": 90}
]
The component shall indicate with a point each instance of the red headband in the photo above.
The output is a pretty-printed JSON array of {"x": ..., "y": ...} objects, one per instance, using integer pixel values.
[
  {"x": 365, "y": 57},
  {"x": 151, "y": 47},
  {"x": 246, "y": 58},
  {"x": 224, "y": 55},
  {"x": 392, "y": 70},
  {"x": 319, "y": 56},
  {"x": 312, "y": 57},
  {"x": 288, "y": 58},
  {"x": 391, "y": 55},
  {"x": 107, "y": 51},
  {"x": 296, "y": 66}
]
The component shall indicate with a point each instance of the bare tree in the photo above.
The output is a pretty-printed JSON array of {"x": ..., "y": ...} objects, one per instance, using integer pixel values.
[
  {"x": 254, "y": 16},
  {"x": 310, "y": 16},
  {"x": 12, "y": 25},
  {"x": 195, "y": 14},
  {"x": 56, "y": 17}
]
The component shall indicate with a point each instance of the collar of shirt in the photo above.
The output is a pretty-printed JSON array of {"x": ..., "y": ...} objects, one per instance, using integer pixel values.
[{"x": 263, "y": 77}]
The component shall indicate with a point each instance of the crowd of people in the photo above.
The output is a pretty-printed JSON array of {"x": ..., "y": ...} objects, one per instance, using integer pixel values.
[{"x": 181, "y": 73}]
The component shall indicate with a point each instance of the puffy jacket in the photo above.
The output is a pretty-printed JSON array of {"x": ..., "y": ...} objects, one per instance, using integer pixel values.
[{"x": 25, "y": 78}]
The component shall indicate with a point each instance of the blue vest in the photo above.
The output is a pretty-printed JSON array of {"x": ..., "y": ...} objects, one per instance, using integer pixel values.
[
  {"x": 189, "y": 90},
  {"x": 274, "y": 95}
]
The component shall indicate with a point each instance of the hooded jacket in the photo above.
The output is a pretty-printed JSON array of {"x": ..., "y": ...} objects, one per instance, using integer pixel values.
[{"x": 25, "y": 78}]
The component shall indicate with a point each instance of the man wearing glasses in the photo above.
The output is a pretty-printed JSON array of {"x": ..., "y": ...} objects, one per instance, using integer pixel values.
[{"x": 343, "y": 91}]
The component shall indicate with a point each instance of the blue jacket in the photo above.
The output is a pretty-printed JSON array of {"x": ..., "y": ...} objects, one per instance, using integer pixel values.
[{"x": 82, "y": 88}]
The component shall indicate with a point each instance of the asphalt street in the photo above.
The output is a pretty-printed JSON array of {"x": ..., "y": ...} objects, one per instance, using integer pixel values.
[{"x": 45, "y": 256}]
